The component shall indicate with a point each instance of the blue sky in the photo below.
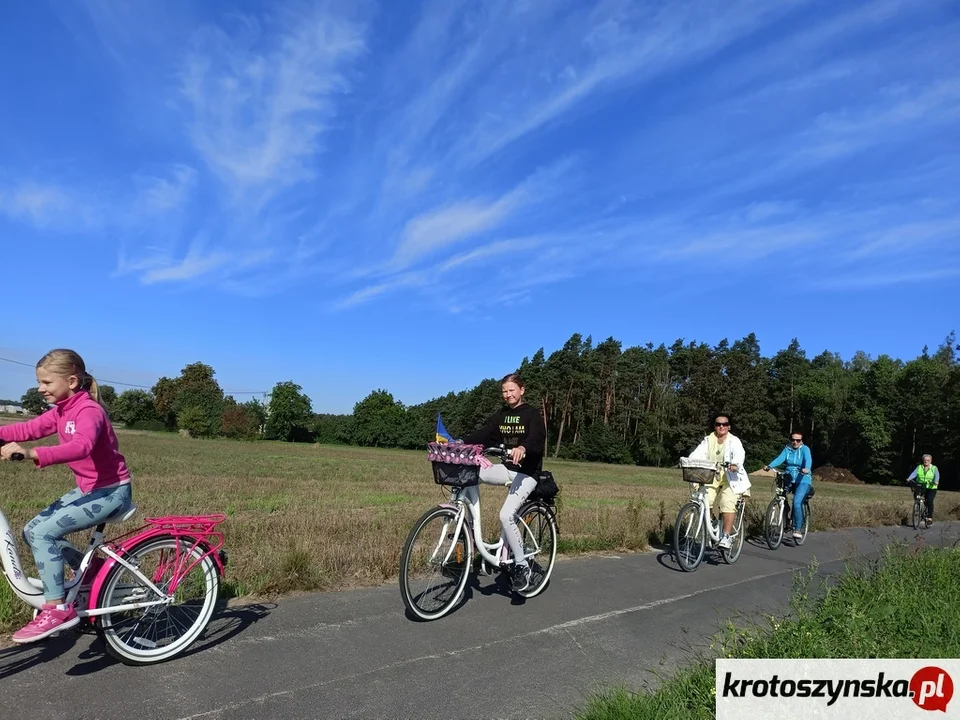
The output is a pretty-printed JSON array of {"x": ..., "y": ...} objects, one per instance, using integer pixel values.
[{"x": 354, "y": 195}]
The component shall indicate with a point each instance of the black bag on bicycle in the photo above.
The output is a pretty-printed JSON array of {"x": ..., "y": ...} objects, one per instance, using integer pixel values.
[{"x": 546, "y": 489}]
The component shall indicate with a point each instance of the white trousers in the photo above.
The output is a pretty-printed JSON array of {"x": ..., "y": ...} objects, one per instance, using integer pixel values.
[{"x": 520, "y": 488}]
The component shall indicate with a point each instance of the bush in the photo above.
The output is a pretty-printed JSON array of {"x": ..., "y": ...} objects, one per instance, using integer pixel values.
[
  {"x": 152, "y": 425},
  {"x": 199, "y": 421},
  {"x": 238, "y": 423}
]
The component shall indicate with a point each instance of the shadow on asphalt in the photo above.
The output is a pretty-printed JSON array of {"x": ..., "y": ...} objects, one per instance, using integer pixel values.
[
  {"x": 227, "y": 623},
  {"x": 18, "y": 658}
]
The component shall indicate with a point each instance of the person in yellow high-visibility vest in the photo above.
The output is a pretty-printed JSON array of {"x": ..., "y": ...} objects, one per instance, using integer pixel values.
[{"x": 927, "y": 478}]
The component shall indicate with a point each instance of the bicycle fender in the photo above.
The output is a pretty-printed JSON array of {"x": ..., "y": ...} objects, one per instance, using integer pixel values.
[{"x": 125, "y": 548}]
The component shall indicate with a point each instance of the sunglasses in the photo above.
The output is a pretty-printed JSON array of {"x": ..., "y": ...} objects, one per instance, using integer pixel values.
[
  {"x": 796, "y": 439},
  {"x": 721, "y": 424}
]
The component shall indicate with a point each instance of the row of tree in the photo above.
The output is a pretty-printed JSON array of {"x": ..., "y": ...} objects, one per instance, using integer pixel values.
[
  {"x": 194, "y": 402},
  {"x": 651, "y": 405},
  {"x": 647, "y": 405}
]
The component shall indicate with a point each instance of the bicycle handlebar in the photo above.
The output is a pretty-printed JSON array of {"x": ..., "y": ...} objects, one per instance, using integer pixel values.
[
  {"x": 499, "y": 451},
  {"x": 16, "y": 456}
]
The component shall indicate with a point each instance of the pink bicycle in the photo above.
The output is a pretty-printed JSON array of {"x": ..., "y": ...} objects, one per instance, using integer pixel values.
[{"x": 149, "y": 594}]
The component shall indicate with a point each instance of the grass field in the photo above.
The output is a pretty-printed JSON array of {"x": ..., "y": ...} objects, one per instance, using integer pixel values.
[
  {"x": 307, "y": 517},
  {"x": 870, "y": 611}
]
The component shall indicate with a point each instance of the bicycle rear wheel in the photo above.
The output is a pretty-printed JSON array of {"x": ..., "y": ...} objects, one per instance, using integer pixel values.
[
  {"x": 538, "y": 529},
  {"x": 689, "y": 537},
  {"x": 435, "y": 564},
  {"x": 153, "y": 634},
  {"x": 773, "y": 523},
  {"x": 732, "y": 554}
]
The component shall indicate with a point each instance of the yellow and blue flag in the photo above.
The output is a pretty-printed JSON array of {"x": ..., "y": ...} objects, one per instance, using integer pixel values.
[{"x": 442, "y": 435}]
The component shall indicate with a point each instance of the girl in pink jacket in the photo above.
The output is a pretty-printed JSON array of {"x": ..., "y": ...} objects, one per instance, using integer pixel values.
[{"x": 88, "y": 446}]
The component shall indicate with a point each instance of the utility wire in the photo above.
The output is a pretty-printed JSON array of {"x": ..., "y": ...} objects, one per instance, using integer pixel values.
[{"x": 104, "y": 381}]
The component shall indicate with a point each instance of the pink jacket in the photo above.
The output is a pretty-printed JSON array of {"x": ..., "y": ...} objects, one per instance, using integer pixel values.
[{"x": 88, "y": 444}]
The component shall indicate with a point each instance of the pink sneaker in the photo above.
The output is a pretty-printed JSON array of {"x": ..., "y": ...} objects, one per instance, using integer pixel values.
[{"x": 47, "y": 622}]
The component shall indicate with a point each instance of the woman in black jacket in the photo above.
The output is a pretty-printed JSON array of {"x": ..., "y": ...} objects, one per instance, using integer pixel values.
[{"x": 520, "y": 429}]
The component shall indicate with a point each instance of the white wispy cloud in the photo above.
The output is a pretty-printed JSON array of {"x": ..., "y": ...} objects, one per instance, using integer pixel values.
[
  {"x": 126, "y": 204},
  {"x": 161, "y": 194},
  {"x": 439, "y": 228},
  {"x": 39, "y": 204},
  {"x": 606, "y": 47},
  {"x": 197, "y": 263},
  {"x": 403, "y": 280},
  {"x": 259, "y": 101},
  {"x": 515, "y": 246},
  {"x": 337, "y": 146},
  {"x": 888, "y": 278}
]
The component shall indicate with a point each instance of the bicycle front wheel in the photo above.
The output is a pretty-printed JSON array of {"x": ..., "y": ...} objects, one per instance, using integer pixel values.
[
  {"x": 917, "y": 519},
  {"x": 689, "y": 537},
  {"x": 732, "y": 554},
  {"x": 435, "y": 564},
  {"x": 539, "y": 530},
  {"x": 153, "y": 634},
  {"x": 773, "y": 523}
]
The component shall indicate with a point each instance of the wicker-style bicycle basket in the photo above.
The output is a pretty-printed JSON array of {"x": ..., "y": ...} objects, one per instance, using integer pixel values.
[
  {"x": 455, "y": 464},
  {"x": 698, "y": 471}
]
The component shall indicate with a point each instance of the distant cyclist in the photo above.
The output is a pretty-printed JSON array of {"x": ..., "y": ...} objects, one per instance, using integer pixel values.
[
  {"x": 799, "y": 466},
  {"x": 926, "y": 478},
  {"x": 520, "y": 429}
]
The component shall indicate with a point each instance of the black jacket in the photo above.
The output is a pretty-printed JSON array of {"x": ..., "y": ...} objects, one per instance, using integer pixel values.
[{"x": 522, "y": 425}]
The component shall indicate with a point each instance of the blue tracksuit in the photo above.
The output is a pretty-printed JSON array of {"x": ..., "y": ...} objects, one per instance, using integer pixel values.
[{"x": 796, "y": 459}]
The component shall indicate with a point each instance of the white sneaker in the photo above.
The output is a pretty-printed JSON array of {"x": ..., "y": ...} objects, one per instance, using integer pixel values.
[{"x": 725, "y": 542}]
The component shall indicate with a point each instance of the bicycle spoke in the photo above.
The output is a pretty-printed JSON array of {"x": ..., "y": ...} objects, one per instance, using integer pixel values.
[
  {"x": 157, "y": 632},
  {"x": 539, "y": 537},
  {"x": 688, "y": 537},
  {"x": 435, "y": 564}
]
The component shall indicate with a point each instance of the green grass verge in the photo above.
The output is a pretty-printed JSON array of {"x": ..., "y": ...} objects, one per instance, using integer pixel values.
[{"x": 898, "y": 606}]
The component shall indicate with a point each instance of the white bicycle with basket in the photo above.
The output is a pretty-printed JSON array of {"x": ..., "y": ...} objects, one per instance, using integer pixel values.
[
  {"x": 696, "y": 529},
  {"x": 438, "y": 553}
]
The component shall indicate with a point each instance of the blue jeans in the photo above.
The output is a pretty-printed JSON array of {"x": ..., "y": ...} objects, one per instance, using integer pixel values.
[
  {"x": 74, "y": 511},
  {"x": 800, "y": 492}
]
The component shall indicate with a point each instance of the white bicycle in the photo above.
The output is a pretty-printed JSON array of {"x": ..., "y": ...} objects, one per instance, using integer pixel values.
[
  {"x": 438, "y": 553},
  {"x": 696, "y": 529}
]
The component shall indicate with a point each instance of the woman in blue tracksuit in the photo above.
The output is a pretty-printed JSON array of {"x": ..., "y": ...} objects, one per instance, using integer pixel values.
[{"x": 799, "y": 465}]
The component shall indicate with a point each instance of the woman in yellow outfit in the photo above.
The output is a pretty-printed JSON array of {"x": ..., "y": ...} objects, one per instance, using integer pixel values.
[{"x": 731, "y": 480}]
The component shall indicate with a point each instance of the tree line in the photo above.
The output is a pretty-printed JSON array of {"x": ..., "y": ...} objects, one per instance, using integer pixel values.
[
  {"x": 651, "y": 405},
  {"x": 643, "y": 404},
  {"x": 195, "y": 403}
]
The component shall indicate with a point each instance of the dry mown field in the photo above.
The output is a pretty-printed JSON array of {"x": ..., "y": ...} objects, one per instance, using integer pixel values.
[{"x": 303, "y": 517}]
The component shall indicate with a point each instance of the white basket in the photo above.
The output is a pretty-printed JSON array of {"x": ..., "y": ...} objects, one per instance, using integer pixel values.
[{"x": 698, "y": 471}]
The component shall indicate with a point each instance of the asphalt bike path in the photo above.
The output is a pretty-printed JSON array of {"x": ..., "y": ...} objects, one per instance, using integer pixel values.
[{"x": 603, "y": 621}]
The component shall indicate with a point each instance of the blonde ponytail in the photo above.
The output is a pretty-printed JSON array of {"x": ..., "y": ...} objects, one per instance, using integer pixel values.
[{"x": 94, "y": 389}]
